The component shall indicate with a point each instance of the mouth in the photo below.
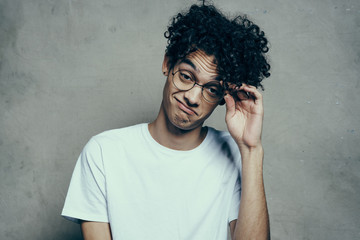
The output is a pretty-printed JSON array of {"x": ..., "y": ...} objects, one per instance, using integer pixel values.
[{"x": 183, "y": 107}]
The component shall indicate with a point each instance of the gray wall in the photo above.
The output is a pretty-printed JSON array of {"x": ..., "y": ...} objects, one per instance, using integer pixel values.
[{"x": 71, "y": 69}]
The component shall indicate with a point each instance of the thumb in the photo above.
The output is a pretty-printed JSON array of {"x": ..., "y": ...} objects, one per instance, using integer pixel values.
[{"x": 230, "y": 105}]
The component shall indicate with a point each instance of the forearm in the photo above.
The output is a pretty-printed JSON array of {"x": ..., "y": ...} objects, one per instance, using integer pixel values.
[{"x": 253, "y": 219}]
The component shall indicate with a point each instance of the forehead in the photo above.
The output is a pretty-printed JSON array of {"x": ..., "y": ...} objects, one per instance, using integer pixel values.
[{"x": 201, "y": 62}]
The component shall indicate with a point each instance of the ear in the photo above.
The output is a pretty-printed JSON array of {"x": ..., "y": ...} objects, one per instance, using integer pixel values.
[{"x": 165, "y": 65}]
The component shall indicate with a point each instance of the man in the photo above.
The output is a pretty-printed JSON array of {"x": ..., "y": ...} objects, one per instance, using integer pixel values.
[{"x": 175, "y": 178}]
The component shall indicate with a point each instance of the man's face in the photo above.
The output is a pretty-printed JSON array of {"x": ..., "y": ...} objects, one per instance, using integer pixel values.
[{"x": 188, "y": 110}]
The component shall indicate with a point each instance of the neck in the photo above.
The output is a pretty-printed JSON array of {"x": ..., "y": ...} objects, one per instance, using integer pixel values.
[{"x": 170, "y": 136}]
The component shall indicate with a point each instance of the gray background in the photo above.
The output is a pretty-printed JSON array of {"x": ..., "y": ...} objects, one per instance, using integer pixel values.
[{"x": 71, "y": 69}]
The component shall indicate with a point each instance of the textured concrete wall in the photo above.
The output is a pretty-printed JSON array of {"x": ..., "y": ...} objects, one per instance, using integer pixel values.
[{"x": 71, "y": 69}]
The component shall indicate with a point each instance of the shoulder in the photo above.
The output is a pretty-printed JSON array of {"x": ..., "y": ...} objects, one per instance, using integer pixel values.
[
  {"x": 120, "y": 134},
  {"x": 223, "y": 142},
  {"x": 220, "y": 136},
  {"x": 114, "y": 138}
]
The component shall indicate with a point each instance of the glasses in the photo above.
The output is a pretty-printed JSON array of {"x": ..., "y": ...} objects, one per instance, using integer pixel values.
[
  {"x": 184, "y": 80},
  {"x": 212, "y": 92}
]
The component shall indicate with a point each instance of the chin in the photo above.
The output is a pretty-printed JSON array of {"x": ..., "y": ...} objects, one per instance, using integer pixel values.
[{"x": 185, "y": 124}]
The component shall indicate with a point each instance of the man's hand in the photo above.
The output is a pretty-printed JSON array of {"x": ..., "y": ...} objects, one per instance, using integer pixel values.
[{"x": 244, "y": 116}]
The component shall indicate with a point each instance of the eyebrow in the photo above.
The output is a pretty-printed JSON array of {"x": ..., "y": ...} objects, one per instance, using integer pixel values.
[{"x": 189, "y": 62}]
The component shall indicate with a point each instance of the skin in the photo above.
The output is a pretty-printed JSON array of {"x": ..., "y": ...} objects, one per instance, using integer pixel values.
[
  {"x": 182, "y": 113},
  {"x": 96, "y": 230},
  {"x": 179, "y": 125},
  {"x": 244, "y": 121}
]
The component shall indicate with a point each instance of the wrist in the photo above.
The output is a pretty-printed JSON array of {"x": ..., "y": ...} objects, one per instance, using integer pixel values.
[
  {"x": 252, "y": 157},
  {"x": 254, "y": 149},
  {"x": 252, "y": 166}
]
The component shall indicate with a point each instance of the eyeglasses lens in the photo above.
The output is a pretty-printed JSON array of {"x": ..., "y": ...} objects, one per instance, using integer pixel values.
[{"x": 184, "y": 80}]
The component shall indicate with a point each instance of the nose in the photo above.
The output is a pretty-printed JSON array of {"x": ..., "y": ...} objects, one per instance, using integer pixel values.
[{"x": 193, "y": 96}]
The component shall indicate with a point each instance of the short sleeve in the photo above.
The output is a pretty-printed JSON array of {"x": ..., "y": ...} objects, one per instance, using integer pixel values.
[
  {"x": 235, "y": 201},
  {"x": 86, "y": 197}
]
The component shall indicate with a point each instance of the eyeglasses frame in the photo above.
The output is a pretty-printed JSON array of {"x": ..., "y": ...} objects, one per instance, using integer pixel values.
[
  {"x": 225, "y": 87},
  {"x": 200, "y": 85}
]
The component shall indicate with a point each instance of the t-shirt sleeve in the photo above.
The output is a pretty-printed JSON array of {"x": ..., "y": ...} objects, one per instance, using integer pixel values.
[
  {"x": 86, "y": 197},
  {"x": 235, "y": 201}
]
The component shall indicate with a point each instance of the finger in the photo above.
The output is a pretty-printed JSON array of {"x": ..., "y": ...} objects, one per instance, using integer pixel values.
[
  {"x": 242, "y": 95},
  {"x": 247, "y": 87},
  {"x": 252, "y": 91},
  {"x": 236, "y": 93},
  {"x": 230, "y": 104},
  {"x": 232, "y": 86}
]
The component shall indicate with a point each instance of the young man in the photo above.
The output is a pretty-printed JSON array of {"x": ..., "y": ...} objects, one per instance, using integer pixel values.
[{"x": 175, "y": 178}]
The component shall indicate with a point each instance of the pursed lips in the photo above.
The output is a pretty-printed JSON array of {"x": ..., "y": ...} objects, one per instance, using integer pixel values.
[{"x": 185, "y": 108}]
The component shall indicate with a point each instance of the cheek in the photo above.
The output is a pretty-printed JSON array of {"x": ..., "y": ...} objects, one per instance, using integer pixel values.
[
  {"x": 169, "y": 90},
  {"x": 166, "y": 89}
]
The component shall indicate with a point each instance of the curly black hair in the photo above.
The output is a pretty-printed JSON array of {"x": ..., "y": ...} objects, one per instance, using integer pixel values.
[{"x": 238, "y": 45}]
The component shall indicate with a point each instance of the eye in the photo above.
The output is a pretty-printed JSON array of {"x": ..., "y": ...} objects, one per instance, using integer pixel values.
[
  {"x": 185, "y": 76},
  {"x": 213, "y": 90}
]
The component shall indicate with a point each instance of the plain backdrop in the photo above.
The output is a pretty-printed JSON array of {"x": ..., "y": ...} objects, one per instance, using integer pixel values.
[{"x": 70, "y": 69}]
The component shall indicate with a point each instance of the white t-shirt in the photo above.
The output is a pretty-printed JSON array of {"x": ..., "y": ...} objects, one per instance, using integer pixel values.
[{"x": 147, "y": 191}]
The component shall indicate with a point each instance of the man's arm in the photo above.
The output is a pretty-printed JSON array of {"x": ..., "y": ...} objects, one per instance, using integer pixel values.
[
  {"x": 253, "y": 218},
  {"x": 244, "y": 120},
  {"x": 96, "y": 230}
]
